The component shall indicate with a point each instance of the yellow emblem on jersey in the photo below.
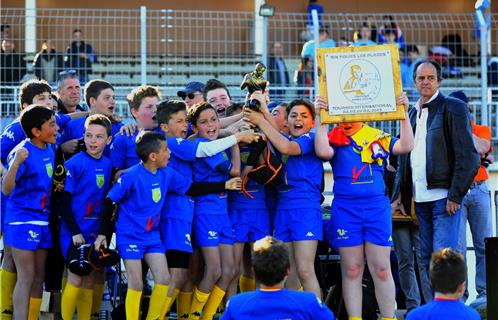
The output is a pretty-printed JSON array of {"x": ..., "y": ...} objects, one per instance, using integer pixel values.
[
  {"x": 100, "y": 180},
  {"x": 156, "y": 195},
  {"x": 50, "y": 169}
]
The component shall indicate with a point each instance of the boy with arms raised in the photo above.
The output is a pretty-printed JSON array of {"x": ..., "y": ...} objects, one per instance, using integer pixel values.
[
  {"x": 28, "y": 184},
  {"x": 88, "y": 180}
]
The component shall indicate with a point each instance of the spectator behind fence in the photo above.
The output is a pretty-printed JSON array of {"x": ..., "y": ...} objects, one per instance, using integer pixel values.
[
  {"x": 80, "y": 56},
  {"x": 69, "y": 91},
  {"x": 448, "y": 277},
  {"x": 389, "y": 23},
  {"x": 5, "y": 32},
  {"x": 12, "y": 65},
  {"x": 277, "y": 70},
  {"x": 304, "y": 75},
  {"x": 372, "y": 23},
  {"x": 413, "y": 58},
  {"x": 271, "y": 264},
  {"x": 48, "y": 63},
  {"x": 324, "y": 42},
  {"x": 363, "y": 36},
  {"x": 460, "y": 57},
  {"x": 476, "y": 205},
  {"x": 438, "y": 174}
]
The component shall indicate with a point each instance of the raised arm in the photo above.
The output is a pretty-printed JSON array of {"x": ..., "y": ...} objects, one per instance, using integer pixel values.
[
  {"x": 323, "y": 149},
  {"x": 405, "y": 143}
]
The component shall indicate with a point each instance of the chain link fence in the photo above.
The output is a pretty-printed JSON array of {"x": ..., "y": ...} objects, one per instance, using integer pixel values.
[{"x": 183, "y": 46}]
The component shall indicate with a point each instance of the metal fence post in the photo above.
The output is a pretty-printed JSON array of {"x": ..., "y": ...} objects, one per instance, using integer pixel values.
[
  {"x": 143, "y": 45},
  {"x": 30, "y": 41},
  {"x": 484, "y": 67},
  {"x": 264, "y": 40},
  {"x": 316, "y": 39}
]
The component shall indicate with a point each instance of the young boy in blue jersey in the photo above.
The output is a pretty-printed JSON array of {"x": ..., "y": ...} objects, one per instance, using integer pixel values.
[
  {"x": 88, "y": 179},
  {"x": 211, "y": 224},
  {"x": 271, "y": 264},
  {"x": 143, "y": 102},
  {"x": 361, "y": 219},
  {"x": 298, "y": 219},
  {"x": 176, "y": 221},
  {"x": 31, "y": 92},
  {"x": 28, "y": 185},
  {"x": 448, "y": 275},
  {"x": 99, "y": 96},
  {"x": 140, "y": 194}
]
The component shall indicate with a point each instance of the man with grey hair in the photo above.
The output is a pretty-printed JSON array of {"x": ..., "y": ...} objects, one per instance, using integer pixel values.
[{"x": 69, "y": 92}]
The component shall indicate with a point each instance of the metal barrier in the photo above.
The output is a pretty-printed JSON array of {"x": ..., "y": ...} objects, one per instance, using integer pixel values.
[{"x": 169, "y": 48}]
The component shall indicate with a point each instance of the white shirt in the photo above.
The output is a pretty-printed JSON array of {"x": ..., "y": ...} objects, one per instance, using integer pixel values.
[{"x": 418, "y": 159}]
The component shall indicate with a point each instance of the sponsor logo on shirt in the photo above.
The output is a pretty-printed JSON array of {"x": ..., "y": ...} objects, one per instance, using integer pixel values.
[
  {"x": 99, "y": 179},
  {"x": 49, "y": 169},
  {"x": 188, "y": 240},
  {"x": 9, "y": 134},
  {"x": 310, "y": 234},
  {"x": 132, "y": 248},
  {"x": 33, "y": 235},
  {"x": 150, "y": 223},
  {"x": 156, "y": 194}
]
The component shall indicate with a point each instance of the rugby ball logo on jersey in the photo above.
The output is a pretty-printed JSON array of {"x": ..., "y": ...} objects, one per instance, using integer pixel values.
[
  {"x": 156, "y": 194},
  {"x": 50, "y": 169},
  {"x": 100, "y": 180}
]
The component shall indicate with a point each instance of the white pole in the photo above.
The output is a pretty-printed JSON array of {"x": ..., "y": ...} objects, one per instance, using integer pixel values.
[
  {"x": 484, "y": 67},
  {"x": 30, "y": 40},
  {"x": 143, "y": 45},
  {"x": 258, "y": 28},
  {"x": 316, "y": 39}
]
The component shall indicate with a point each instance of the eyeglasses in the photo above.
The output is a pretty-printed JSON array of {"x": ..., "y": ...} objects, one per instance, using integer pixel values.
[{"x": 191, "y": 95}]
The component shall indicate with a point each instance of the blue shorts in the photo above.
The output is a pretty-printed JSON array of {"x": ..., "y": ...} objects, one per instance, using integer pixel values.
[
  {"x": 250, "y": 224},
  {"x": 352, "y": 222},
  {"x": 298, "y": 224},
  {"x": 176, "y": 234},
  {"x": 211, "y": 230},
  {"x": 131, "y": 248},
  {"x": 28, "y": 236}
]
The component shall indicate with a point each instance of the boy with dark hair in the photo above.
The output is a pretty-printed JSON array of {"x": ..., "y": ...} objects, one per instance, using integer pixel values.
[
  {"x": 99, "y": 96},
  {"x": 216, "y": 93},
  {"x": 176, "y": 220},
  {"x": 88, "y": 180},
  {"x": 448, "y": 274},
  {"x": 271, "y": 264},
  {"x": 140, "y": 193},
  {"x": 31, "y": 92},
  {"x": 28, "y": 184}
]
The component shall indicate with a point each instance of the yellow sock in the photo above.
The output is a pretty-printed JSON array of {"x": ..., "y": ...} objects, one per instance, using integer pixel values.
[
  {"x": 132, "y": 304},
  {"x": 34, "y": 308},
  {"x": 183, "y": 304},
  {"x": 64, "y": 283},
  {"x": 199, "y": 299},
  {"x": 213, "y": 302},
  {"x": 301, "y": 288},
  {"x": 158, "y": 299},
  {"x": 84, "y": 304},
  {"x": 167, "y": 306},
  {"x": 69, "y": 299},
  {"x": 98, "y": 292},
  {"x": 8, "y": 282},
  {"x": 247, "y": 284},
  {"x": 354, "y": 318}
]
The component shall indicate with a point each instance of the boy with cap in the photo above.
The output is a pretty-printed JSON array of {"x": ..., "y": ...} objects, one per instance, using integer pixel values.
[{"x": 192, "y": 93}]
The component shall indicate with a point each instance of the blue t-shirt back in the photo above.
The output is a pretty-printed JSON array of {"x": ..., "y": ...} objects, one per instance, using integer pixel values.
[{"x": 444, "y": 310}]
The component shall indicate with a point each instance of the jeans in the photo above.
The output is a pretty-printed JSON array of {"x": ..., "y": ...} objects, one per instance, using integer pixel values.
[
  {"x": 437, "y": 229},
  {"x": 476, "y": 209},
  {"x": 406, "y": 239}
]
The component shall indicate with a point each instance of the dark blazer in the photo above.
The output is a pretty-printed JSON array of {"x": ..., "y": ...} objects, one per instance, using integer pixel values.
[
  {"x": 273, "y": 73},
  {"x": 452, "y": 159}
]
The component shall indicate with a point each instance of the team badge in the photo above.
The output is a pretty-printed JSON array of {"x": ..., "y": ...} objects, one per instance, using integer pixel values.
[
  {"x": 50, "y": 169},
  {"x": 100, "y": 180},
  {"x": 156, "y": 195}
]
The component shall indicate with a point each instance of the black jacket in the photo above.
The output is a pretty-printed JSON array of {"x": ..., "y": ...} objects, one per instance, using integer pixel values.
[
  {"x": 452, "y": 159},
  {"x": 47, "y": 56}
]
